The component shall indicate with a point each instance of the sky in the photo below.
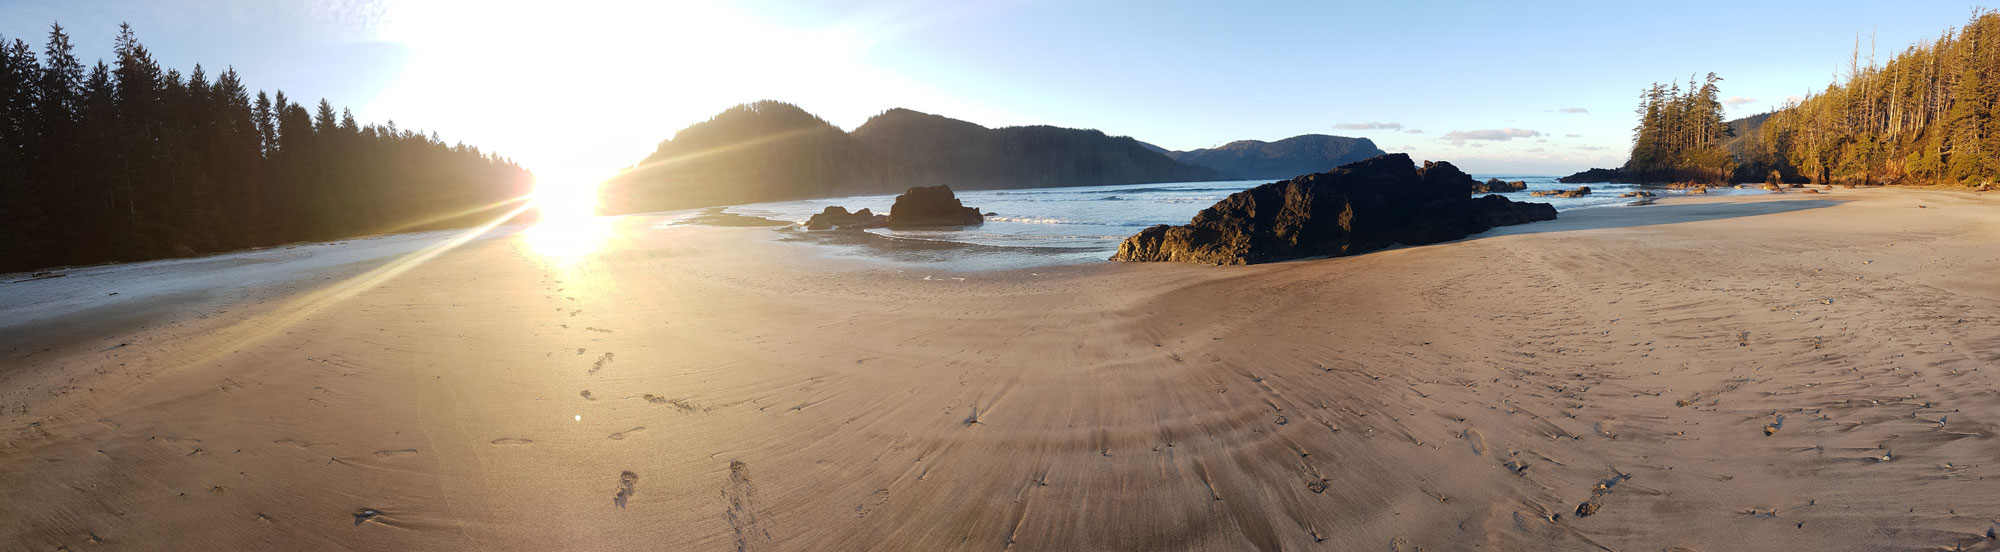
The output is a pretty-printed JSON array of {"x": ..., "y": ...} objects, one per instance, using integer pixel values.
[{"x": 581, "y": 88}]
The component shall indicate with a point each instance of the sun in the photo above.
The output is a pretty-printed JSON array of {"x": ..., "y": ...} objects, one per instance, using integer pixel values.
[{"x": 567, "y": 227}]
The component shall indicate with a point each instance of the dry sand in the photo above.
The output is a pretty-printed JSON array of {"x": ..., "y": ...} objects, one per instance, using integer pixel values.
[{"x": 698, "y": 388}]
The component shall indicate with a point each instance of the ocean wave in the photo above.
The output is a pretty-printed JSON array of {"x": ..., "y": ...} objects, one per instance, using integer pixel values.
[
  {"x": 1098, "y": 190},
  {"x": 1169, "y": 189},
  {"x": 1042, "y": 220}
]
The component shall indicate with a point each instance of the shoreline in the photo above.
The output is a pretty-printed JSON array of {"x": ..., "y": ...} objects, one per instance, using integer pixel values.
[{"x": 1455, "y": 395}]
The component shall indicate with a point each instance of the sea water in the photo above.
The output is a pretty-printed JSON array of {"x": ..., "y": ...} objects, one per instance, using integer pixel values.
[{"x": 1046, "y": 226}]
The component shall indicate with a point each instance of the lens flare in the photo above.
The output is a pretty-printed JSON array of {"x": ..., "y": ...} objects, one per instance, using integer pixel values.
[{"x": 567, "y": 228}]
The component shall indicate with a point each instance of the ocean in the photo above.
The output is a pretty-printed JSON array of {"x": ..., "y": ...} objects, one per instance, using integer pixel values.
[{"x": 1048, "y": 226}]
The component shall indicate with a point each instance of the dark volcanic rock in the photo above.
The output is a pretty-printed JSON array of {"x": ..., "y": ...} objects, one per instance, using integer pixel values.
[
  {"x": 1595, "y": 176},
  {"x": 1580, "y": 191},
  {"x": 1356, "y": 208},
  {"x": 838, "y": 217},
  {"x": 1494, "y": 186},
  {"x": 931, "y": 206}
]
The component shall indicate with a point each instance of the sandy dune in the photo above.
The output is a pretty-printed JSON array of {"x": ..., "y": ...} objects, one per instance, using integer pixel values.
[{"x": 1793, "y": 372}]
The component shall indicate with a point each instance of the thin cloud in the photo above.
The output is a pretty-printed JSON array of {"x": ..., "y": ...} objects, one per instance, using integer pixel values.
[
  {"x": 1794, "y": 100},
  {"x": 1591, "y": 148},
  {"x": 1572, "y": 135},
  {"x": 1734, "y": 101},
  {"x": 1369, "y": 126},
  {"x": 1575, "y": 110},
  {"x": 1414, "y": 131},
  {"x": 1536, "y": 150},
  {"x": 1492, "y": 134}
]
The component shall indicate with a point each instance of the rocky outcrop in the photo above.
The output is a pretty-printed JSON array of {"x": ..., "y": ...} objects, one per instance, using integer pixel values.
[
  {"x": 1495, "y": 186},
  {"x": 1640, "y": 193},
  {"x": 837, "y": 217},
  {"x": 931, "y": 206},
  {"x": 1359, "y": 207},
  {"x": 1595, "y": 176},
  {"x": 917, "y": 207},
  {"x": 1580, "y": 191}
]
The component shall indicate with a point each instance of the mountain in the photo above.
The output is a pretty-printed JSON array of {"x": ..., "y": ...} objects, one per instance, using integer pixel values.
[
  {"x": 1303, "y": 154},
  {"x": 763, "y": 151},
  {"x": 774, "y": 151},
  {"x": 909, "y": 148}
]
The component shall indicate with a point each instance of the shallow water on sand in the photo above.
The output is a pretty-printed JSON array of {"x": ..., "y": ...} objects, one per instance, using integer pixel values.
[{"x": 1051, "y": 226}]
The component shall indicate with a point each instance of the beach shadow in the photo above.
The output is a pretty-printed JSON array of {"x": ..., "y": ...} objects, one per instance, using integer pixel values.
[{"x": 1598, "y": 218}]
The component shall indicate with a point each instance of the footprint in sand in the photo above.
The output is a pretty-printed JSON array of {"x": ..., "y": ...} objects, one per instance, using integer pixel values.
[
  {"x": 586, "y": 395},
  {"x": 394, "y": 453},
  {"x": 513, "y": 441},
  {"x": 880, "y": 497},
  {"x": 626, "y": 481},
  {"x": 620, "y": 436},
  {"x": 1477, "y": 441},
  {"x": 601, "y": 361}
]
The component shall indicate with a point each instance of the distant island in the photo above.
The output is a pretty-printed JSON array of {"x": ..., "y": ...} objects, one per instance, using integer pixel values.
[
  {"x": 1925, "y": 117},
  {"x": 775, "y": 151},
  {"x": 1298, "y": 155}
]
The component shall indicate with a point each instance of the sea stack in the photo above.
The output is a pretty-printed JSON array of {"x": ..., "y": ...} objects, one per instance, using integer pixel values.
[
  {"x": 1495, "y": 185},
  {"x": 837, "y": 217},
  {"x": 931, "y": 206},
  {"x": 1359, "y": 207}
]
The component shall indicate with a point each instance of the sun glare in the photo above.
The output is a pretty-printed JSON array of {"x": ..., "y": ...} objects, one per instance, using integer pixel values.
[{"x": 567, "y": 227}]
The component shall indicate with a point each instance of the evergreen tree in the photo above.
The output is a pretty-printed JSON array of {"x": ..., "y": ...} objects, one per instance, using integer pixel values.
[{"x": 128, "y": 161}]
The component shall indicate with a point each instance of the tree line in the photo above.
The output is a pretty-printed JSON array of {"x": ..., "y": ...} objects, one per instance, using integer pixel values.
[
  {"x": 1927, "y": 116},
  {"x": 128, "y": 161},
  {"x": 1681, "y": 135}
]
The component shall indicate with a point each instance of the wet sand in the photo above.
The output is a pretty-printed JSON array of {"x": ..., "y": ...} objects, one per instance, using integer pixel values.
[{"x": 1788, "y": 372}]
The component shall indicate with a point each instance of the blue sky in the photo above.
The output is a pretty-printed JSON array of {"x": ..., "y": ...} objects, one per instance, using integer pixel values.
[{"x": 586, "y": 86}]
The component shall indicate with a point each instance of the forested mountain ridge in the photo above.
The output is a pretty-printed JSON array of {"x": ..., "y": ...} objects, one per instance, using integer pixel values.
[
  {"x": 775, "y": 151},
  {"x": 1302, "y": 154},
  {"x": 129, "y": 161},
  {"x": 914, "y": 147},
  {"x": 1931, "y": 114}
]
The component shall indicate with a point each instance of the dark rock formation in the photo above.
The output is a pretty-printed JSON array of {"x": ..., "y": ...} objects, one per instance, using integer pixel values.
[
  {"x": 1495, "y": 186},
  {"x": 838, "y": 217},
  {"x": 931, "y": 206},
  {"x": 1353, "y": 209},
  {"x": 1594, "y": 176},
  {"x": 1640, "y": 193},
  {"x": 1579, "y": 192}
]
